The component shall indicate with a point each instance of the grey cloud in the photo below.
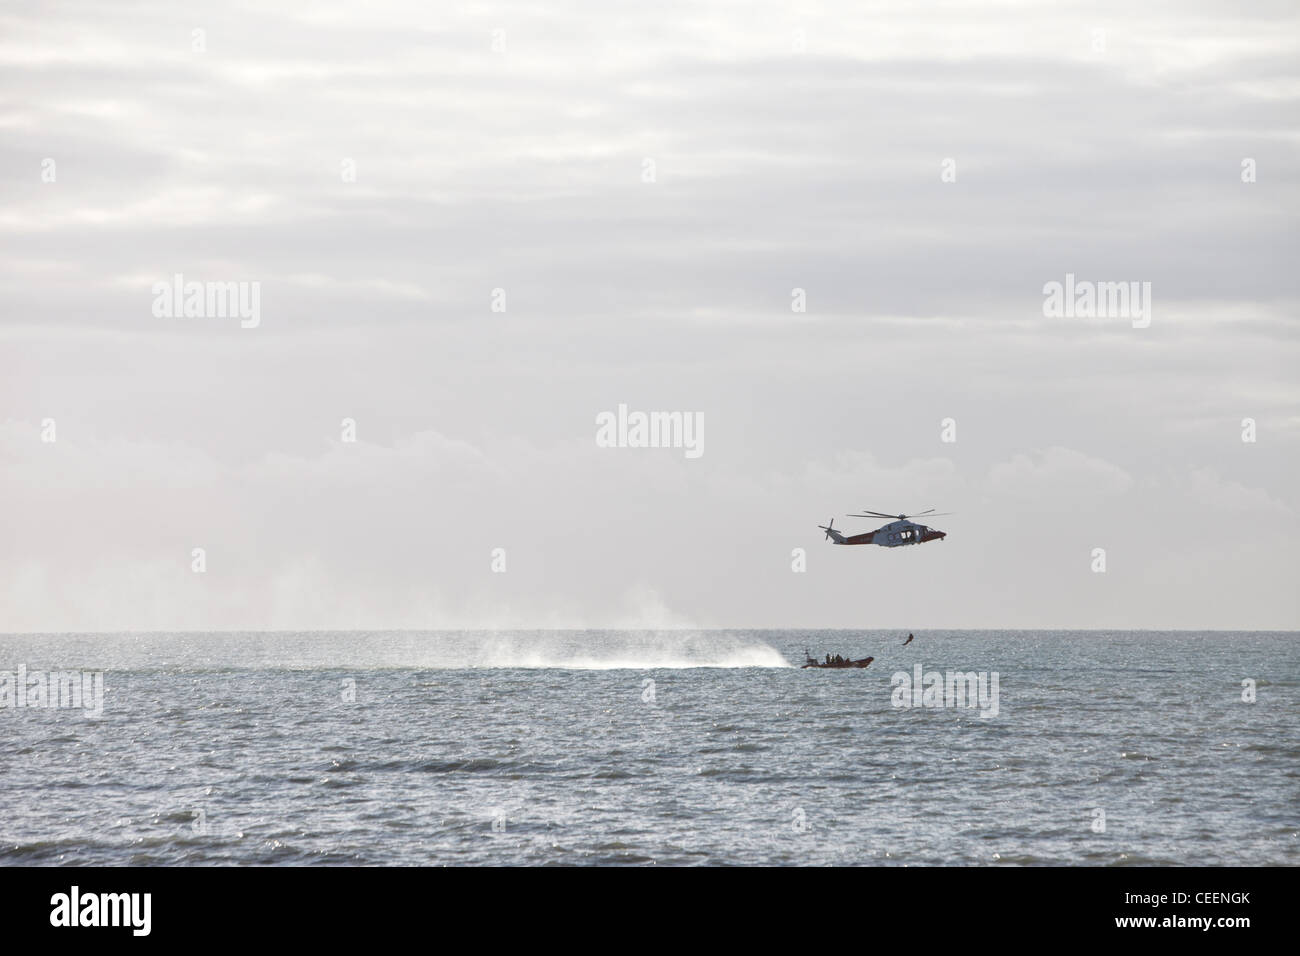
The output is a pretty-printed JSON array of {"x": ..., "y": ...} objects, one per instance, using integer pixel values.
[{"x": 523, "y": 171}]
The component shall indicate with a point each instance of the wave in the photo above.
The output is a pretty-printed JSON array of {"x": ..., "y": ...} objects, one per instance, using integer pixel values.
[
  {"x": 620, "y": 650},
  {"x": 424, "y": 650}
]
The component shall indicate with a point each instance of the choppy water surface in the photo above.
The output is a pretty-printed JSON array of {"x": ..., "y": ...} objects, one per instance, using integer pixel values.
[{"x": 668, "y": 748}]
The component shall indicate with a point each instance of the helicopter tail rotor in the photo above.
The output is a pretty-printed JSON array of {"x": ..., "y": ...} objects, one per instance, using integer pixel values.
[{"x": 831, "y": 533}]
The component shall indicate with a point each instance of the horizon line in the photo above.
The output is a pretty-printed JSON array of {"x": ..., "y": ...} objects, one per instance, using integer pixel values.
[{"x": 650, "y": 630}]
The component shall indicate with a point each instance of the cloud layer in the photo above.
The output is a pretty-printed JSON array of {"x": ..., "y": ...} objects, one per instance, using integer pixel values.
[{"x": 647, "y": 188}]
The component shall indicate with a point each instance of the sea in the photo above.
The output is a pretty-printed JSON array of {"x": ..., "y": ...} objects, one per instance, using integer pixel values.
[{"x": 639, "y": 748}]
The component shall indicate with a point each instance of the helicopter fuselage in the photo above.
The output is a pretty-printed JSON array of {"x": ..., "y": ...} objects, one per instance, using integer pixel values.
[{"x": 896, "y": 534}]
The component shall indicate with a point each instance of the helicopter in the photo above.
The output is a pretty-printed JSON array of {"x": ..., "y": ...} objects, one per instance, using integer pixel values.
[{"x": 900, "y": 531}]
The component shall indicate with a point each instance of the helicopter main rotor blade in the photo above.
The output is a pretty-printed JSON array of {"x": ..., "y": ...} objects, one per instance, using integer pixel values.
[{"x": 920, "y": 514}]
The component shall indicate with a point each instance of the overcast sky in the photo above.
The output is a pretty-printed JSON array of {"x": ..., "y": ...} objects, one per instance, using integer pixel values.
[{"x": 507, "y": 146}]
